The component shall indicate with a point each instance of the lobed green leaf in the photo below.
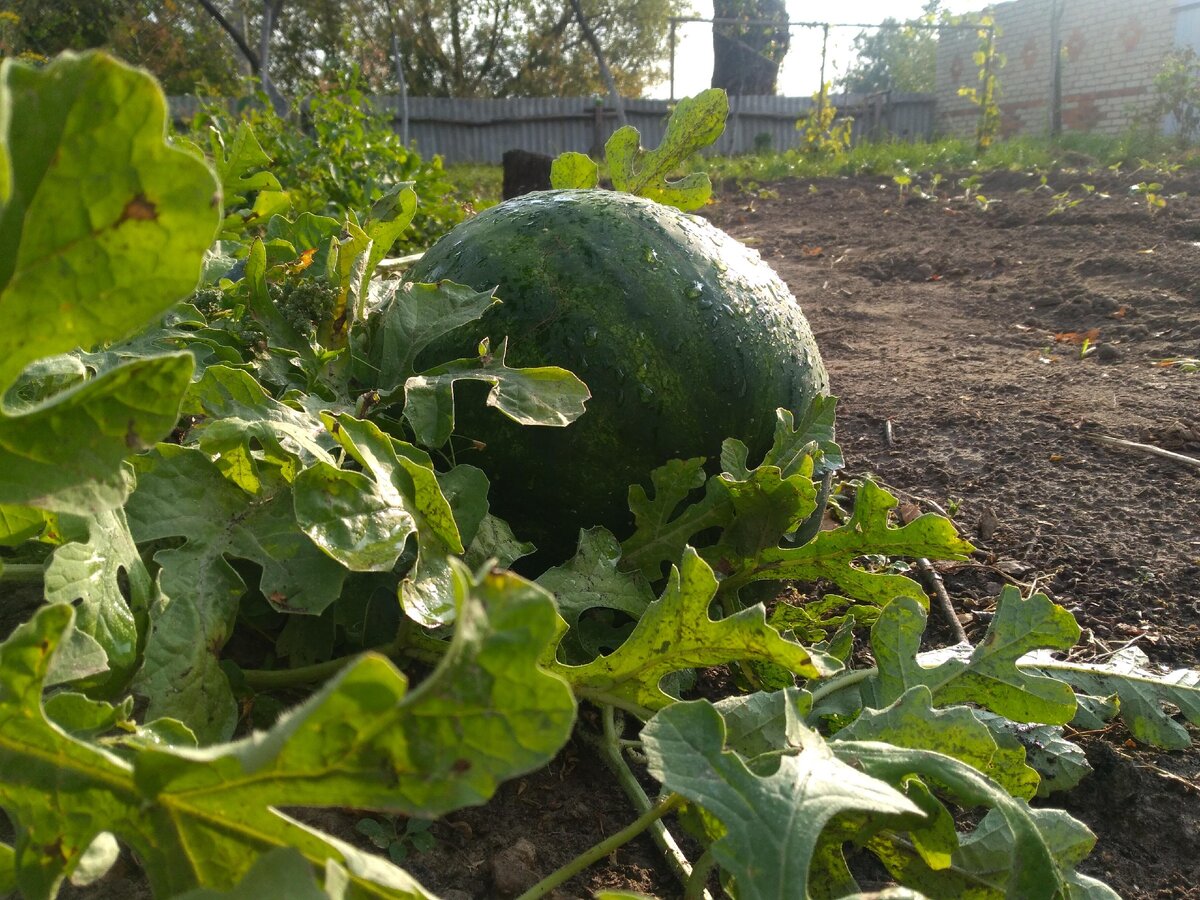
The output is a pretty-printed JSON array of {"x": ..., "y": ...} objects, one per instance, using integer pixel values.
[
  {"x": 202, "y": 817},
  {"x": 183, "y": 494},
  {"x": 546, "y": 395},
  {"x": 911, "y": 721},
  {"x": 103, "y": 223},
  {"x": 1142, "y": 693},
  {"x": 772, "y": 820},
  {"x": 832, "y": 554},
  {"x": 986, "y": 675},
  {"x": 87, "y": 572},
  {"x": 574, "y": 171},
  {"x": 401, "y": 496},
  {"x": 592, "y": 580},
  {"x": 408, "y": 318},
  {"x": 676, "y": 632},
  {"x": 694, "y": 124},
  {"x": 661, "y": 528},
  {"x": 50, "y": 459}
]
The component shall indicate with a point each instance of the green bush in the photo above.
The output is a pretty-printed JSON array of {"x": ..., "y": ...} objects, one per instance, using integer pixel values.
[{"x": 339, "y": 154}]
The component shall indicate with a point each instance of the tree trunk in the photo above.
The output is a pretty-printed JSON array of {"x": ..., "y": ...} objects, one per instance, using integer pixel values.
[
  {"x": 609, "y": 82},
  {"x": 746, "y": 58},
  {"x": 271, "y": 9},
  {"x": 259, "y": 62}
]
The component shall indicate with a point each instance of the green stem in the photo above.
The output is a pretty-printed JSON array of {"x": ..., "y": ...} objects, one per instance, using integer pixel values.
[
  {"x": 604, "y": 848},
  {"x": 840, "y": 681},
  {"x": 694, "y": 889},
  {"x": 610, "y": 751},
  {"x": 410, "y": 642},
  {"x": 31, "y": 573}
]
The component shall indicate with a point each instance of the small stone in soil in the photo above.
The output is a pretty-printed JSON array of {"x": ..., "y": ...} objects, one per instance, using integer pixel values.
[
  {"x": 1107, "y": 353},
  {"x": 513, "y": 869}
]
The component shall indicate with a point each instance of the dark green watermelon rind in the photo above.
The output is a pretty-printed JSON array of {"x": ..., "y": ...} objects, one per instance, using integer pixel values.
[{"x": 684, "y": 336}]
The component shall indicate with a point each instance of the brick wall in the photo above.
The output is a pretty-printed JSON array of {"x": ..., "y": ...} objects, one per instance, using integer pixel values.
[{"x": 1114, "y": 48}]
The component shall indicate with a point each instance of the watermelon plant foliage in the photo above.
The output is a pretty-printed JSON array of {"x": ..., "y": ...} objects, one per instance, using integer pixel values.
[{"x": 308, "y": 538}]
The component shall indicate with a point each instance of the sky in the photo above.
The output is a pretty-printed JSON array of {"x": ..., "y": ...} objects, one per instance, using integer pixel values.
[{"x": 801, "y": 75}]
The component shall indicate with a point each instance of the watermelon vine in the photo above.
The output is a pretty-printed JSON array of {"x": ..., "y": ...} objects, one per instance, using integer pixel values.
[{"x": 243, "y": 498}]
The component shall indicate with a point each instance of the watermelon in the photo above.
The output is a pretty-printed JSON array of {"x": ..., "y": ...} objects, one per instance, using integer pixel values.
[{"x": 684, "y": 336}]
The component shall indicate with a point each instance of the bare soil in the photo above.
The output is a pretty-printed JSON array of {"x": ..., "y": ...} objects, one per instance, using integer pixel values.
[{"x": 962, "y": 327}]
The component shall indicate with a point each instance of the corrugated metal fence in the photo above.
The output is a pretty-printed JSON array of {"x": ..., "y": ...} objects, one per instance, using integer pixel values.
[{"x": 479, "y": 131}]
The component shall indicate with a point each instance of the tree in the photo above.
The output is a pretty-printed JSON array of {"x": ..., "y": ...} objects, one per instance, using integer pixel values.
[
  {"x": 896, "y": 56},
  {"x": 509, "y": 48},
  {"x": 746, "y": 58},
  {"x": 43, "y": 28},
  {"x": 176, "y": 40},
  {"x": 455, "y": 48}
]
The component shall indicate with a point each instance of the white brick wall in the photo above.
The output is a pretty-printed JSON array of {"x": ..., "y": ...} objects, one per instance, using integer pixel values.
[{"x": 1114, "y": 48}]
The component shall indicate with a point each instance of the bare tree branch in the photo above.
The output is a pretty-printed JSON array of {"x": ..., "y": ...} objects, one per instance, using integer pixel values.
[
  {"x": 229, "y": 29},
  {"x": 606, "y": 74}
]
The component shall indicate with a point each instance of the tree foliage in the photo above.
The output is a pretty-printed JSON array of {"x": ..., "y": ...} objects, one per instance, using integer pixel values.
[
  {"x": 450, "y": 48},
  {"x": 177, "y": 41},
  {"x": 896, "y": 56}
]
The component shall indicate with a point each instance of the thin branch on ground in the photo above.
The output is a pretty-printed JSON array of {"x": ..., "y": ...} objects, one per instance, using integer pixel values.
[
  {"x": 1190, "y": 786},
  {"x": 1149, "y": 449},
  {"x": 933, "y": 582}
]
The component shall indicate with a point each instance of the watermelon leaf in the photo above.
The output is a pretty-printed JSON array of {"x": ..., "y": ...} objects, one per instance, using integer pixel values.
[
  {"x": 23, "y": 523},
  {"x": 911, "y": 721},
  {"x": 241, "y": 169},
  {"x": 8, "y": 868},
  {"x": 832, "y": 554},
  {"x": 986, "y": 675},
  {"x": 574, "y": 171},
  {"x": 363, "y": 520},
  {"x": 284, "y": 872},
  {"x": 766, "y": 506},
  {"x": 241, "y": 426},
  {"x": 663, "y": 526},
  {"x": 196, "y": 818},
  {"x": 1060, "y": 764},
  {"x": 86, "y": 572},
  {"x": 407, "y": 319},
  {"x": 1141, "y": 693},
  {"x": 695, "y": 123},
  {"x": 88, "y": 119},
  {"x": 70, "y": 276},
  {"x": 591, "y": 580},
  {"x": 675, "y": 633},
  {"x": 390, "y": 215},
  {"x": 183, "y": 494},
  {"x": 772, "y": 820},
  {"x": 546, "y": 395},
  {"x": 125, "y": 410}
]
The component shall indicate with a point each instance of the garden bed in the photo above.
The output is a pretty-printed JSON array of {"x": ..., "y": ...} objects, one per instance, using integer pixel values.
[
  {"x": 981, "y": 341},
  {"x": 941, "y": 317}
]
